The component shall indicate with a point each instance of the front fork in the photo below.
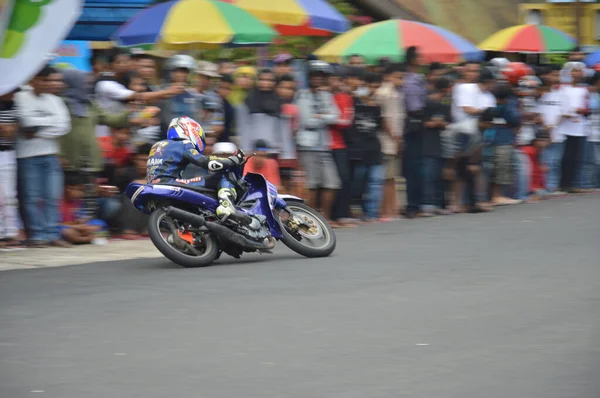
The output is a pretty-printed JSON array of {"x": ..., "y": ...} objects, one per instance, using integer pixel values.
[{"x": 293, "y": 222}]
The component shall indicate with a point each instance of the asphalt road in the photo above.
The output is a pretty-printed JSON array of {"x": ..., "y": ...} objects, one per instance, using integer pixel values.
[{"x": 495, "y": 305}]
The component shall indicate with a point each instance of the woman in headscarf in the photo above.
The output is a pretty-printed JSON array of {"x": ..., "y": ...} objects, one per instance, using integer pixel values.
[
  {"x": 260, "y": 115},
  {"x": 80, "y": 148},
  {"x": 243, "y": 79}
]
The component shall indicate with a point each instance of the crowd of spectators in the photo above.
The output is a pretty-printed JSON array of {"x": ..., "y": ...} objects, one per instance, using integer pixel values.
[{"x": 465, "y": 137}]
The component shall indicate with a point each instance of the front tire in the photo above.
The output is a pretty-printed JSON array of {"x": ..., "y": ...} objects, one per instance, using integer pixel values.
[
  {"x": 304, "y": 245},
  {"x": 203, "y": 258}
]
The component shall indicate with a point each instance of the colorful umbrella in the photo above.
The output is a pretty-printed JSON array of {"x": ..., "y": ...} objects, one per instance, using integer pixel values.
[
  {"x": 29, "y": 32},
  {"x": 193, "y": 24},
  {"x": 529, "y": 39},
  {"x": 391, "y": 38},
  {"x": 297, "y": 17},
  {"x": 592, "y": 59}
]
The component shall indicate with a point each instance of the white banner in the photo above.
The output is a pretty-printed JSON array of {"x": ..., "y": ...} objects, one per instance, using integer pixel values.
[{"x": 33, "y": 31}]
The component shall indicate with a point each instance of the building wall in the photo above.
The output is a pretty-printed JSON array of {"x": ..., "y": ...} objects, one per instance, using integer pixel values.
[
  {"x": 563, "y": 16},
  {"x": 473, "y": 19}
]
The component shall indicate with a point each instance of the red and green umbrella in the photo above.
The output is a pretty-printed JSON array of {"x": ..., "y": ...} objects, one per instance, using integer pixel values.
[
  {"x": 391, "y": 38},
  {"x": 529, "y": 39}
]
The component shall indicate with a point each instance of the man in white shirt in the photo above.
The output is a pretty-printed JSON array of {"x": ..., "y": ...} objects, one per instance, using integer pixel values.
[
  {"x": 574, "y": 97},
  {"x": 469, "y": 100},
  {"x": 549, "y": 107},
  {"x": 44, "y": 118},
  {"x": 111, "y": 94}
]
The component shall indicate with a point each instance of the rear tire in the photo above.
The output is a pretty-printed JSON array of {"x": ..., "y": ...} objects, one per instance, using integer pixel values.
[
  {"x": 296, "y": 245},
  {"x": 188, "y": 261}
]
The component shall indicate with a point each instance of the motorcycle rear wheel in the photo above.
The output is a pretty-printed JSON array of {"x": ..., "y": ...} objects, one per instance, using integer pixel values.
[
  {"x": 201, "y": 258},
  {"x": 302, "y": 245}
]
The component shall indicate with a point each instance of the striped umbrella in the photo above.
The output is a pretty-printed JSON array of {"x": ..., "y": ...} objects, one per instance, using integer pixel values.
[
  {"x": 193, "y": 24},
  {"x": 529, "y": 39},
  {"x": 391, "y": 38},
  {"x": 297, "y": 17}
]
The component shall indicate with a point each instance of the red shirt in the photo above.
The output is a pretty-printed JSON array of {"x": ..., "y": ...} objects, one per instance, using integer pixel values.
[
  {"x": 269, "y": 170},
  {"x": 345, "y": 104},
  {"x": 120, "y": 156},
  {"x": 71, "y": 211},
  {"x": 538, "y": 181}
]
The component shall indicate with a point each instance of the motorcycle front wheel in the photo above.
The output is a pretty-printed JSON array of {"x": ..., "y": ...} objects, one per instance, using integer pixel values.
[
  {"x": 185, "y": 248},
  {"x": 315, "y": 240}
]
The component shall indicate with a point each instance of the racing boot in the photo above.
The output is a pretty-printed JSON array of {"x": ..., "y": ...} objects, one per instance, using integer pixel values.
[
  {"x": 226, "y": 209},
  {"x": 226, "y": 198}
]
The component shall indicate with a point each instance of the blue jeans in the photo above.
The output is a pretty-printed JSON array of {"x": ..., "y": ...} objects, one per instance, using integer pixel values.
[
  {"x": 372, "y": 179},
  {"x": 433, "y": 187},
  {"x": 553, "y": 158},
  {"x": 588, "y": 174},
  {"x": 523, "y": 175},
  {"x": 41, "y": 184}
]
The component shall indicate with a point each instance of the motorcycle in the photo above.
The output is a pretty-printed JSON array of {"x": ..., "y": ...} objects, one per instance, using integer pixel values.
[{"x": 184, "y": 227}]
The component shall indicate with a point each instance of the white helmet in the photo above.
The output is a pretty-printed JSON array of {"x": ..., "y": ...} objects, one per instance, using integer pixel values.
[
  {"x": 500, "y": 63},
  {"x": 182, "y": 61}
]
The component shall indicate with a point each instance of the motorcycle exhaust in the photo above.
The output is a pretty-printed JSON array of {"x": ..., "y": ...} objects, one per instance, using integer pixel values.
[
  {"x": 219, "y": 230},
  {"x": 237, "y": 239},
  {"x": 193, "y": 219}
]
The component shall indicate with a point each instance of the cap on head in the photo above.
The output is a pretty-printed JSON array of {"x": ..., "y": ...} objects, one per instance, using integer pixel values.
[
  {"x": 208, "y": 69},
  {"x": 261, "y": 145}
]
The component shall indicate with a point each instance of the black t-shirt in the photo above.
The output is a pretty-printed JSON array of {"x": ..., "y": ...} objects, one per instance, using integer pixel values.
[
  {"x": 368, "y": 122},
  {"x": 432, "y": 142}
]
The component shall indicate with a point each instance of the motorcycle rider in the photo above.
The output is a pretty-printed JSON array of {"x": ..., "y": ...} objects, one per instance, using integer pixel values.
[{"x": 185, "y": 145}]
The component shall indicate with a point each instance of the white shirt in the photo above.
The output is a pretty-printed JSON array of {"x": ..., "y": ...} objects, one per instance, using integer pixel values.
[
  {"x": 549, "y": 106},
  {"x": 573, "y": 98},
  {"x": 110, "y": 96},
  {"x": 469, "y": 95},
  {"x": 46, "y": 113}
]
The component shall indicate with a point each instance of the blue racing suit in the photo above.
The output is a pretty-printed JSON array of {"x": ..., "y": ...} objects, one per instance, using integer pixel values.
[{"x": 168, "y": 160}]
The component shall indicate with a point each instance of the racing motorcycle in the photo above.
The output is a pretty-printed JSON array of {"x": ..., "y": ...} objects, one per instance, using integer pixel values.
[{"x": 184, "y": 227}]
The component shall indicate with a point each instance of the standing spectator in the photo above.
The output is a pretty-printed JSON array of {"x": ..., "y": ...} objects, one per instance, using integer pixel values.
[
  {"x": 9, "y": 214},
  {"x": 574, "y": 104},
  {"x": 470, "y": 99},
  {"x": 225, "y": 67},
  {"x": 260, "y": 119},
  {"x": 339, "y": 151},
  {"x": 436, "y": 70},
  {"x": 80, "y": 147},
  {"x": 112, "y": 94},
  {"x": 185, "y": 103},
  {"x": 356, "y": 61},
  {"x": 262, "y": 164},
  {"x": 288, "y": 159},
  {"x": 283, "y": 65},
  {"x": 226, "y": 116},
  {"x": 550, "y": 110},
  {"x": 390, "y": 96},
  {"x": 368, "y": 123},
  {"x": 436, "y": 118},
  {"x": 534, "y": 151},
  {"x": 44, "y": 118},
  {"x": 317, "y": 112},
  {"x": 145, "y": 65},
  {"x": 591, "y": 172},
  {"x": 414, "y": 95},
  {"x": 504, "y": 125},
  {"x": 243, "y": 77},
  {"x": 207, "y": 74}
]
